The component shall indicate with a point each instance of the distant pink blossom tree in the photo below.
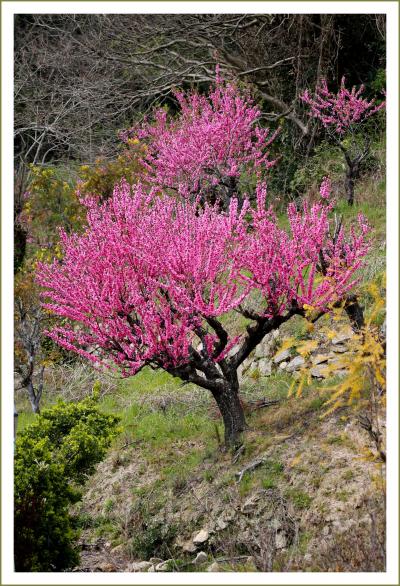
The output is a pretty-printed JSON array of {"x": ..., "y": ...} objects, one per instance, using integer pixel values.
[
  {"x": 342, "y": 114},
  {"x": 149, "y": 280},
  {"x": 205, "y": 150}
]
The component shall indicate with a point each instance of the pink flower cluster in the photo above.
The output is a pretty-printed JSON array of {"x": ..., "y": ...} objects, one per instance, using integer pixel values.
[
  {"x": 214, "y": 138},
  {"x": 342, "y": 110},
  {"x": 138, "y": 286},
  {"x": 325, "y": 188}
]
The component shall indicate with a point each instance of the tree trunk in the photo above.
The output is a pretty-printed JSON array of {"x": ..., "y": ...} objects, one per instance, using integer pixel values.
[
  {"x": 232, "y": 414},
  {"x": 351, "y": 176},
  {"x": 33, "y": 398}
]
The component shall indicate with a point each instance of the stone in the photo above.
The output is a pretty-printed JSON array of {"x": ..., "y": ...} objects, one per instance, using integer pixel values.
[
  {"x": 265, "y": 367},
  {"x": 118, "y": 549},
  {"x": 382, "y": 330},
  {"x": 155, "y": 561},
  {"x": 200, "y": 558},
  {"x": 107, "y": 567},
  {"x": 280, "y": 540},
  {"x": 221, "y": 524},
  {"x": 319, "y": 371},
  {"x": 201, "y": 537},
  {"x": 340, "y": 348},
  {"x": 342, "y": 336},
  {"x": 295, "y": 364},
  {"x": 264, "y": 348},
  {"x": 283, "y": 365},
  {"x": 152, "y": 568},
  {"x": 189, "y": 547},
  {"x": 319, "y": 358},
  {"x": 213, "y": 568},
  {"x": 164, "y": 566},
  {"x": 140, "y": 566},
  {"x": 340, "y": 373},
  {"x": 283, "y": 355}
]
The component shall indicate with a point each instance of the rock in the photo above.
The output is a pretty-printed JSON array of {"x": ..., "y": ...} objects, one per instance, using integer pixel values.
[
  {"x": 188, "y": 547},
  {"x": 164, "y": 566},
  {"x": 283, "y": 365},
  {"x": 319, "y": 371},
  {"x": 152, "y": 568},
  {"x": 382, "y": 330},
  {"x": 283, "y": 355},
  {"x": 295, "y": 364},
  {"x": 119, "y": 549},
  {"x": 340, "y": 373},
  {"x": 342, "y": 336},
  {"x": 265, "y": 367},
  {"x": 107, "y": 567},
  {"x": 201, "y": 537},
  {"x": 221, "y": 524},
  {"x": 155, "y": 561},
  {"x": 319, "y": 358},
  {"x": 213, "y": 568},
  {"x": 200, "y": 558},
  {"x": 140, "y": 566},
  {"x": 280, "y": 540},
  {"x": 340, "y": 348},
  {"x": 264, "y": 348}
]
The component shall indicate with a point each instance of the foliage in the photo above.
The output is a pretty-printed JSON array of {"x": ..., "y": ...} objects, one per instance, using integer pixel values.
[
  {"x": 53, "y": 456},
  {"x": 51, "y": 201},
  {"x": 363, "y": 383},
  {"x": 98, "y": 180}
]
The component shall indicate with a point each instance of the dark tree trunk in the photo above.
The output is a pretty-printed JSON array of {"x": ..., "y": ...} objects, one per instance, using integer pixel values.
[
  {"x": 354, "y": 312},
  {"x": 232, "y": 414},
  {"x": 20, "y": 236},
  {"x": 352, "y": 173}
]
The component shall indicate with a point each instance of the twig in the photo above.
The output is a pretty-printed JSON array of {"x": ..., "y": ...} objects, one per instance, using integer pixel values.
[{"x": 249, "y": 467}]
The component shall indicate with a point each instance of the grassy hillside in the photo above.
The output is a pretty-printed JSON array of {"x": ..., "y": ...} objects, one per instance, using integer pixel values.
[{"x": 311, "y": 500}]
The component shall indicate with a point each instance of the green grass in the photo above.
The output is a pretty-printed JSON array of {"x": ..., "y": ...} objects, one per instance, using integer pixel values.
[{"x": 300, "y": 499}]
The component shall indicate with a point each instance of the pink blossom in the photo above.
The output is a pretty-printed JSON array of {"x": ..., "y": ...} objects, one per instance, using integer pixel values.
[
  {"x": 213, "y": 139},
  {"x": 325, "y": 188},
  {"x": 342, "y": 110},
  {"x": 144, "y": 280}
]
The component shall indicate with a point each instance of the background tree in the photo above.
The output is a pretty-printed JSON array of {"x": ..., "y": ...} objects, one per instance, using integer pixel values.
[{"x": 343, "y": 115}]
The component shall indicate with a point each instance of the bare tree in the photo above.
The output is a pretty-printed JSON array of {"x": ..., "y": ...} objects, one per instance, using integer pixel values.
[{"x": 29, "y": 358}]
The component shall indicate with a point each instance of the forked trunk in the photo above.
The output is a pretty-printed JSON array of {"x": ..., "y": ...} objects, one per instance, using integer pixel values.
[{"x": 232, "y": 414}]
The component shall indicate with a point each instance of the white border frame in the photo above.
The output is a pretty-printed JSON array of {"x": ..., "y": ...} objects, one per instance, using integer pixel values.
[{"x": 391, "y": 9}]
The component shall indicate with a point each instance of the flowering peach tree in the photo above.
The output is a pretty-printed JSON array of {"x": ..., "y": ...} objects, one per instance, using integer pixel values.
[
  {"x": 207, "y": 150},
  {"x": 342, "y": 115},
  {"x": 151, "y": 277}
]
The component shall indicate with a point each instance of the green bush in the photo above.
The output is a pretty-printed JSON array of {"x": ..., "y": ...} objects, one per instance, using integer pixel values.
[{"x": 53, "y": 457}]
